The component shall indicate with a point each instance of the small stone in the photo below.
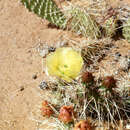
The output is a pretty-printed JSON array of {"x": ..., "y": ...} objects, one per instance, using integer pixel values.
[
  {"x": 34, "y": 76},
  {"x": 43, "y": 85},
  {"x": 51, "y": 49},
  {"x": 22, "y": 88}
]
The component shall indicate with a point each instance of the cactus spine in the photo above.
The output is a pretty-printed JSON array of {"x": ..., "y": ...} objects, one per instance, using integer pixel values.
[
  {"x": 110, "y": 26},
  {"x": 83, "y": 23}
]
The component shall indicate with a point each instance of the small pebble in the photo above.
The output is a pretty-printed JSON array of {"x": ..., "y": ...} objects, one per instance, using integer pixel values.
[
  {"x": 34, "y": 76},
  {"x": 43, "y": 85},
  {"x": 22, "y": 88},
  {"x": 51, "y": 49}
]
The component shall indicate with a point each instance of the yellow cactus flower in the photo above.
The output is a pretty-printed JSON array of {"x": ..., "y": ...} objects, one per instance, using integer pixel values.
[{"x": 65, "y": 63}]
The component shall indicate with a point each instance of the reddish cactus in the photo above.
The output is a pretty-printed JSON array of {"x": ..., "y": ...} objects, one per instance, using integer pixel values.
[
  {"x": 66, "y": 114},
  {"x": 109, "y": 82},
  {"x": 46, "y": 109},
  {"x": 87, "y": 77},
  {"x": 82, "y": 125}
]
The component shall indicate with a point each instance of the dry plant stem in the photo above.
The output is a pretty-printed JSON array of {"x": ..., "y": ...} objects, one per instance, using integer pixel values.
[{"x": 95, "y": 52}]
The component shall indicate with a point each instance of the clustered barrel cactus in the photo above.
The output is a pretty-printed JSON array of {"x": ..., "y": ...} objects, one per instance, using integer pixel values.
[
  {"x": 89, "y": 98},
  {"x": 46, "y": 9}
]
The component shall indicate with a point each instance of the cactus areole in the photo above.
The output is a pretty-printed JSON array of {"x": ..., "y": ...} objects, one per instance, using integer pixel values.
[{"x": 64, "y": 63}]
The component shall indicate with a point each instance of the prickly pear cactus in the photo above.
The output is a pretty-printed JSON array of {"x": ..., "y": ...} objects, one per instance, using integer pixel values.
[
  {"x": 126, "y": 30},
  {"x": 83, "y": 24},
  {"x": 46, "y": 9}
]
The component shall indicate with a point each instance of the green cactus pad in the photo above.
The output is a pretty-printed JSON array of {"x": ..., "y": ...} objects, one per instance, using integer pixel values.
[
  {"x": 82, "y": 23},
  {"x": 46, "y": 9},
  {"x": 126, "y": 30}
]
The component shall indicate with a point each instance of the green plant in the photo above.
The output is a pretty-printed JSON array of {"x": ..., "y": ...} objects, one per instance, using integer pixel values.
[
  {"x": 83, "y": 23},
  {"x": 126, "y": 30},
  {"x": 110, "y": 26},
  {"x": 46, "y": 9}
]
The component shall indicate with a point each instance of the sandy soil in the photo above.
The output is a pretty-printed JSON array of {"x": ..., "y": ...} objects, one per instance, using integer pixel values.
[{"x": 20, "y": 33}]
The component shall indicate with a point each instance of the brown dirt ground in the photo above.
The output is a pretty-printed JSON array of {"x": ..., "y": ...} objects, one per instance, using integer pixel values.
[{"x": 20, "y": 32}]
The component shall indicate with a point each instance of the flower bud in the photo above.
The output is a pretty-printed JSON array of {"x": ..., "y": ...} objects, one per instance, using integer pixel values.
[
  {"x": 46, "y": 109},
  {"x": 66, "y": 114},
  {"x": 87, "y": 77},
  {"x": 109, "y": 82},
  {"x": 82, "y": 125}
]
